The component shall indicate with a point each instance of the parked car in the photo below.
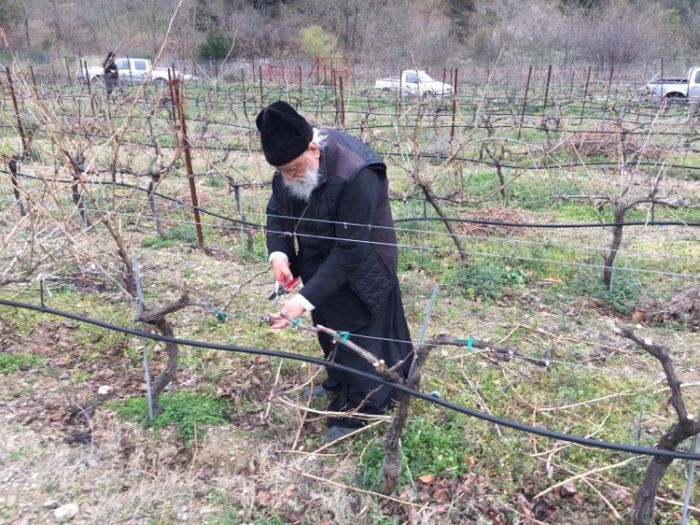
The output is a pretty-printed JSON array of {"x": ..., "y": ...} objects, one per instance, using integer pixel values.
[
  {"x": 414, "y": 82},
  {"x": 675, "y": 88},
  {"x": 135, "y": 71}
]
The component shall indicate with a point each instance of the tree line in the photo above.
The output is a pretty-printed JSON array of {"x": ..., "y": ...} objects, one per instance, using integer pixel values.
[{"x": 604, "y": 33}]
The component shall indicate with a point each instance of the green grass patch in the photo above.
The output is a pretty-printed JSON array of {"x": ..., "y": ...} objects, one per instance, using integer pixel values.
[
  {"x": 12, "y": 363},
  {"x": 428, "y": 448},
  {"x": 486, "y": 279},
  {"x": 177, "y": 235},
  {"x": 185, "y": 410}
]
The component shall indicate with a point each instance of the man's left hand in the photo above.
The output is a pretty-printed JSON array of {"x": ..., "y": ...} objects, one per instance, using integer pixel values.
[{"x": 290, "y": 310}]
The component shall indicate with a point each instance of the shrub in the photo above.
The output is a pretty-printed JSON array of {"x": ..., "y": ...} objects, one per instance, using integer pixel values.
[{"x": 216, "y": 46}]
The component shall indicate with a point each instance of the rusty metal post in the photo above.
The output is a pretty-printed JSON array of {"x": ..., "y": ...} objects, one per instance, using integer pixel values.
[
  {"x": 546, "y": 89},
  {"x": 70, "y": 77},
  {"x": 173, "y": 102},
  {"x": 262, "y": 94},
  {"x": 84, "y": 74},
  {"x": 14, "y": 179},
  {"x": 585, "y": 94},
  {"x": 607, "y": 95},
  {"x": 31, "y": 72},
  {"x": 20, "y": 126},
  {"x": 342, "y": 103},
  {"x": 454, "y": 105},
  {"x": 89, "y": 85},
  {"x": 571, "y": 86},
  {"x": 301, "y": 83},
  {"x": 188, "y": 161},
  {"x": 131, "y": 74},
  {"x": 522, "y": 113},
  {"x": 245, "y": 94}
]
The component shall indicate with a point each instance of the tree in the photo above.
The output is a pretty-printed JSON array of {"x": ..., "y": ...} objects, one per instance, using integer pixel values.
[
  {"x": 11, "y": 11},
  {"x": 317, "y": 42},
  {"x": 216, "y": 46},
  {"x": 461, "y": 12}
]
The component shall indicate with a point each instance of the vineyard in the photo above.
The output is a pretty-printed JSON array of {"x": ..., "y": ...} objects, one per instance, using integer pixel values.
[{"x": 548, "y": 239}]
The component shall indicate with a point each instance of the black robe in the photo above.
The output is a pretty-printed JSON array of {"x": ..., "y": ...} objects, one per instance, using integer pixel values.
[{"x": 327, "y": 274}]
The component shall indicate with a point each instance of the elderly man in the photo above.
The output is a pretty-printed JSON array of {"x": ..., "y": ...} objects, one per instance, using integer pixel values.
[{"x": 329, "y": 222}]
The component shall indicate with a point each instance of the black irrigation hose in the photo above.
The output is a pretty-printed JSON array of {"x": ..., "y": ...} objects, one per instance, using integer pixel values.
[
  {"x": 413, "y": 219},
  {"x": 632, "y": 449}
]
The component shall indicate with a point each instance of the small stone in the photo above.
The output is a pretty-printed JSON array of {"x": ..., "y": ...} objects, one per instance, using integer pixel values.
[
  {"x": 10, "y": 500},
  {"x": 104, "y": 390},
  {"x": 50, "y": 504},
  {"x": 66, "y": 512}
]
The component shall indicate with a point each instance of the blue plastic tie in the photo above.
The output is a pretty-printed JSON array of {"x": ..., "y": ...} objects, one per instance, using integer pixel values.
[
  {"x": 296, "y": 321},
  {"x": 469, "y": 342},
  {"x": 344, "y": 337}
]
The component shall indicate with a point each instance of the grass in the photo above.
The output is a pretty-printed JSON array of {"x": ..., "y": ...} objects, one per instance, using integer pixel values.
[
  {"x": 186, "y": 411},
  {"x": 487, "y": 279},
  {"x": 13, "y": 363},
  {"x": 428, "y": 449}
]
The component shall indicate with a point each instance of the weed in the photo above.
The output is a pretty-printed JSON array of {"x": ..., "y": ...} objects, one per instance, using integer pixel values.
[
  {"x": 428, "y": 448},
  {"x": 487, "y": 280},
  {"x": 11, "y": 363},
  {"x": 623, "y": 296},
  {"x": 185, "y": 410},
  {"x": 228, "y": 517},
  {"x": 178, "y": 234}
]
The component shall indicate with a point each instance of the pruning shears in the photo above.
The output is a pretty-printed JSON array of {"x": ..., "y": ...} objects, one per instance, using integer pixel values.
[{"x": 281, "y": 289}]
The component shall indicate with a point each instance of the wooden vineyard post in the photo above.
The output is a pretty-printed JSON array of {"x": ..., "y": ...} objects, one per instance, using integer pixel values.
[
  {"x": 522, "y": 113},
  {"x": 188, "y": 161}
]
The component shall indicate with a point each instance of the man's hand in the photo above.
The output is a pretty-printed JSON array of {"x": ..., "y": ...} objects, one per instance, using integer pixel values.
[
  {"x": 290, "y": 310},
  {"x": 281, "y": 271}
]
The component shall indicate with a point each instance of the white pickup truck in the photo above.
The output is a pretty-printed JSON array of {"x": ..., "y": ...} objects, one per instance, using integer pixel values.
[
  {"x": 135, "y": 71},
  {"x": 676, "y": 88},
  {"x": 414, "y": 82}
]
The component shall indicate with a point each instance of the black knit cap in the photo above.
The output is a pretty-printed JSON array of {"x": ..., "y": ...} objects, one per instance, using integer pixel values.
[{"x": 284, "y": 133}]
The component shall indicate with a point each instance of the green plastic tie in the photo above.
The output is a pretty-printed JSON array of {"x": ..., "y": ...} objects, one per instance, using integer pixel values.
[
  {"x": 220, "y": 314},
  {"x": 296, "y": 321},
  {"x": 344, "y": 337}
]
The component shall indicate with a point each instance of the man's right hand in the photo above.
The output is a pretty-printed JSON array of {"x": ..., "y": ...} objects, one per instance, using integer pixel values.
[{"x": 281, "y": 271}]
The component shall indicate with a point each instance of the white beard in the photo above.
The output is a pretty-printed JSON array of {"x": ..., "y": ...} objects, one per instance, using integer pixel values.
[{"x": 302, "y": 187}]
